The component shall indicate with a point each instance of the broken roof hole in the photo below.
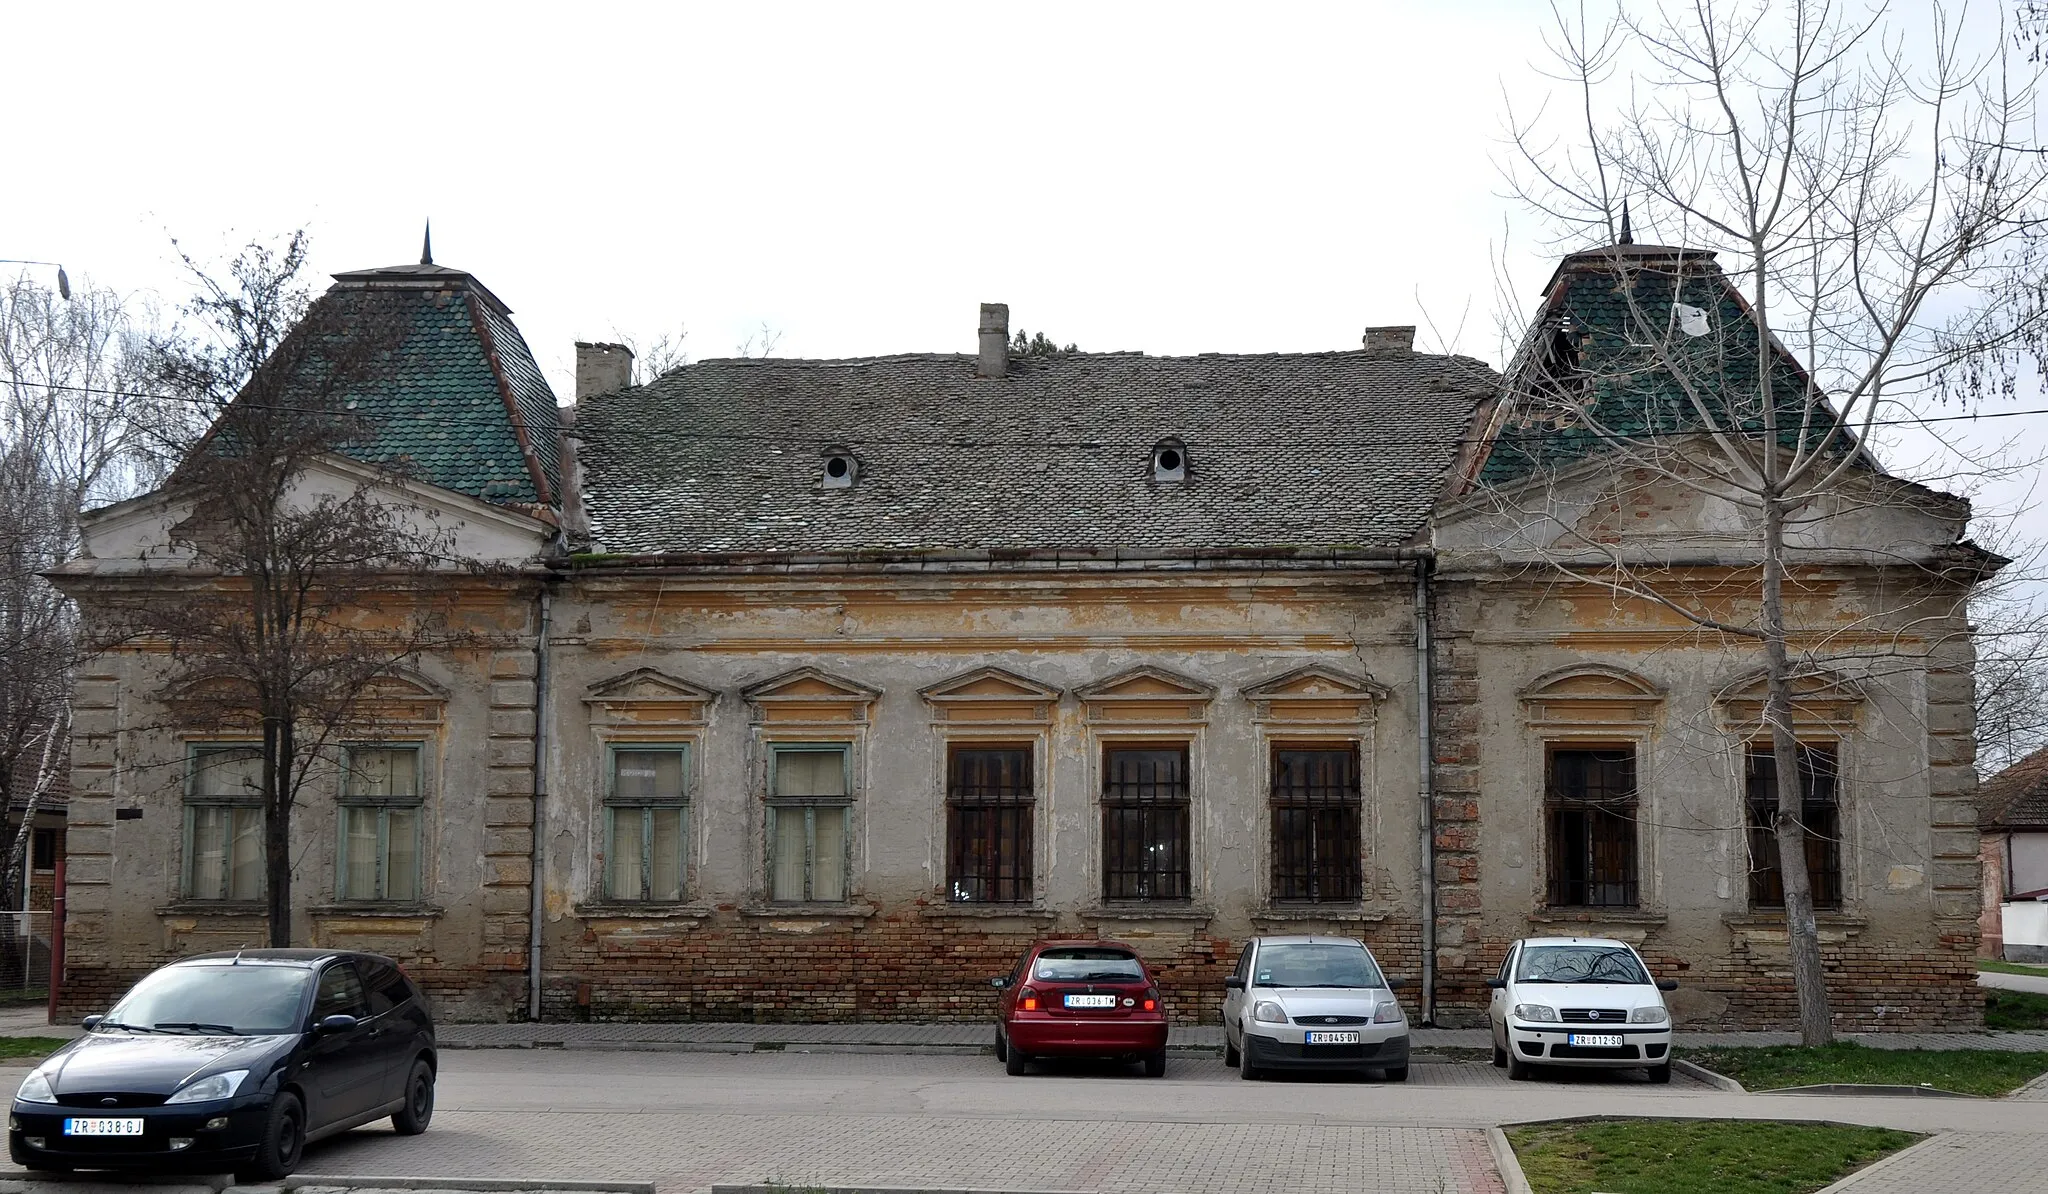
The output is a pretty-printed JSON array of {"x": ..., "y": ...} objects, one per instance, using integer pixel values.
[
  {"x": 1169, "y": 460},
  {"x": 840, "y": 468}
]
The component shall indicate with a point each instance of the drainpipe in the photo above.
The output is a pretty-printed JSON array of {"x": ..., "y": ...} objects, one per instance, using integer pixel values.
[
  {"x": 1426, "y": 787},
  {"x": 535, "y": 882}
]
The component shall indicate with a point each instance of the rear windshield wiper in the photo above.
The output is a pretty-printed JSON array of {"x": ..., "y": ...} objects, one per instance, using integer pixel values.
[{"x": 195, "y": 1026}]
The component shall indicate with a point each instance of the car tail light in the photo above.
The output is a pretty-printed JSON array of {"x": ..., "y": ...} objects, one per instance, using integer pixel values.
[
  {"x": 1027, "y": 999},
  {"x": 1151, "y": 999}
]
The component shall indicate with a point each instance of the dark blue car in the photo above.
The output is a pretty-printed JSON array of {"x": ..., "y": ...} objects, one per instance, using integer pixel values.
[{"x": 233, "y": 1061}]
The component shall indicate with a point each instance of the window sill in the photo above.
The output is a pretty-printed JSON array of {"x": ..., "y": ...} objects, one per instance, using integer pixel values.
[
  {"x": 1339, "y": 913},
  {"x": 1610, "y": 916},
  {"x": 808, "y": 911},
  {"x": 642, "y": 911},
  {"x": 214, "y": 908},
  {"x": 1772, "y": 919},
  {"x": 987, "y": 912},
  {"x": 380, "y": 911},
  {"x": 1143, "y": 912}
]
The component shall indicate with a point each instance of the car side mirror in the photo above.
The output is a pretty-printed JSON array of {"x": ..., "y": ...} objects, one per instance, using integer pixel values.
[
  {"x": 336, "y": 1024},
  {"x": 1233, "y": 983},
  {"x": 91, "y": 1022},
  {"x": 1498, "y": 984},
  {"x": 999, "y": 983},
  {"x": 1396, "y": 984},
  {"x": 1667, "y": 984}
]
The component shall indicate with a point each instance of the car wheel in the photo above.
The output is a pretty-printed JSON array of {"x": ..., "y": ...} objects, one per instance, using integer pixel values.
[
  {"x": 1155, "y": 1064},
  {"x": 1002, "y": 1048},
  {"x": 418, "y": 1112},
  {"x": 1661, "y": 1074},
  {"x": 1519, "y": 1070},
  {"x": 1397, "y": 1073},
  {"x": 1230, "y": 1054},
  {"x": 284, "y": 1135},
  {"x": 1247, "y": 1071},
  {"x": 1014, "y": 1063}
]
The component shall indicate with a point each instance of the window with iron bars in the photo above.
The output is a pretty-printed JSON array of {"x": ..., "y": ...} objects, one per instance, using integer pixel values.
[
  {"x": 1145, "y": 803},
  {"x": 1317, "y": 806},
  {"x": 1820, "y": 815},
  {"x": 1590, "y": 819},
  {"x": 990, "y": 806}
]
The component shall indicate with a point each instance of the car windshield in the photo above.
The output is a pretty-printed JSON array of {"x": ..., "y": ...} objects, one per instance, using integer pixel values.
[
  {"x": 1579, "y": 964},
  {"x": 1315, "y": 965},
  {"x": 1088, "y": 965},
  {"x": 248, "y": 999}
]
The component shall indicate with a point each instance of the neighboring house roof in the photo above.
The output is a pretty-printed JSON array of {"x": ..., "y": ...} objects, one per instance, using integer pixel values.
[
  {"x": 463, "y": 405},
  {"x": 2017, "y": 797},
  {"x": 1294, "y": 450},
  {"x": 1588, "y": 361}
]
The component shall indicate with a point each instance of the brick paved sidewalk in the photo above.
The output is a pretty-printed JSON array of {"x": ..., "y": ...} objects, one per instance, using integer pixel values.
[{"x": 901, "y": 1036}]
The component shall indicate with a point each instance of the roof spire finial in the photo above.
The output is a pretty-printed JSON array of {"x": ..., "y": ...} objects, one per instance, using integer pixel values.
[
  {"x": 427, "y": 244},
  {"x": 1628, "y": 237}
]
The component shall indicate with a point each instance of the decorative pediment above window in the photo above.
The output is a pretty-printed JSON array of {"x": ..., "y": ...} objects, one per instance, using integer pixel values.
[
  {"x": 401, "y": 698},
  {"x": 1823, "y": 702},
  {"x": 992, "y": 695},
  {"x": 1315, "y": 694},
  {"x": 812, "y": 697},
  {"x": 1147, "y": 694},
  {"x": 1591, "y": 694},
  {"x": 648, "y": 697}
]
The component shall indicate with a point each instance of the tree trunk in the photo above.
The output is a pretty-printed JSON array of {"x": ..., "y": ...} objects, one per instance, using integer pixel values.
[
  {"x": 1816, "y": 1022},
  {"x": 277, "y": 827}
]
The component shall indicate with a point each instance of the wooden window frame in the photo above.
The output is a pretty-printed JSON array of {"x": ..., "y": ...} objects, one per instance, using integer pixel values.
[
  {"x": 1326, "y": 877},
  {"x": 352, "y": 801},
  {"x": 1118, "y": 802},
  {"x": 1822, "y": 820},
  {"x": 1013, "y": 880},
  {"x": 194, "y": 802},
  {"x": 1579, "y": 847},
  {"x": 782, "y": 806}
]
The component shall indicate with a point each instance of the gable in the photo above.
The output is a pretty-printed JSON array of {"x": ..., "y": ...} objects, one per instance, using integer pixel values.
[
  {"x": 809, "y": 695},
  {"x": 990, "y": 695},
  {"x": 1146, "y": 694},
  {"x": 1315, "y": 694},
  {"x": 646, "y": 696}
]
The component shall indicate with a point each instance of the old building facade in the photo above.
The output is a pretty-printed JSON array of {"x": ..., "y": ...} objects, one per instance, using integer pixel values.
[{"x": 817, "y": 689}]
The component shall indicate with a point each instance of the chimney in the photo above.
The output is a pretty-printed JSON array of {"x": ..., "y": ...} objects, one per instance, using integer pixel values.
[
  {"x": 1390, "y": 340},
  {"x": 602, "y": 369},
  {"x": 994, "y": 358}
]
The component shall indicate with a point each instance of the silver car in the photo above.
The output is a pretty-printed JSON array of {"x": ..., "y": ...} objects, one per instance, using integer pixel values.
[{"x": 1312, "y": 1003}]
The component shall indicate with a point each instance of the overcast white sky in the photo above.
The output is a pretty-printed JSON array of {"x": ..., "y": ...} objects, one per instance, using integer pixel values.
[{"x": 1173, "y": 178}]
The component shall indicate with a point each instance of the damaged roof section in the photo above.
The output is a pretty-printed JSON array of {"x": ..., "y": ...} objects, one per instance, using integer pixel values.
[{"x": 1311, "y": 451}]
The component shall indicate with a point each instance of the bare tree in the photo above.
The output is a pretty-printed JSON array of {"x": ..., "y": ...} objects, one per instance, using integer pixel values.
[
  {"x": 68, "y": 439},
  {"x": 655, "y": 356},
  {"x": 1856, "y": 206},
  {"x": 298, "y": 601},
  {"x": 759, "y": 344}
]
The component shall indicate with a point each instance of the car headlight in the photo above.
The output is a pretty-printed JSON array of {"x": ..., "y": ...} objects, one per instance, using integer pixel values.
[
  {"x": 1268, "y": 1012},
  {"x": 1653, "y": 1014},
  {"x": 213, "y": 1086},
  {"x": 36, "y": 1089},
  {"x": 1536, "y": 1011},
  {"x": 1389, "y": 1013}
]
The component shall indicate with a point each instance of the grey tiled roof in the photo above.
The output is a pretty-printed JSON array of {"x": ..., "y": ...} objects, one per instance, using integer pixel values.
[
  {"x": 2017, "y": 797},
  {"x": 1305, "y": 450}
]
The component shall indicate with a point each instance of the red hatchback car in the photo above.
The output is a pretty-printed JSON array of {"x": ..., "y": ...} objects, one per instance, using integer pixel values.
[{"x": 1080, "y": 999}]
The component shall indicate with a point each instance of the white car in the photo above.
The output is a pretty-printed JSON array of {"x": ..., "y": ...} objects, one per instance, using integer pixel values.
[
  {"x": 1579, "y": 1001},
  {"x": 1312, "y": 1003}
]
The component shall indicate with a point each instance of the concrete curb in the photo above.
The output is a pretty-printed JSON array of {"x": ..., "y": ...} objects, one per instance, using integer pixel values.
[
  {"x": 1511, "y": 1176},
  {"x": 1870, "y": 1089},
  {"x": 785, "y": 1188},
  {"x": 904, "y": 1048},
  {"x": 2036, "y": 1089},
  {"x": 12, "y": 1180},
  {"x": 1882, "y": 1163},
  {"x": 1703, "y": 1074}
]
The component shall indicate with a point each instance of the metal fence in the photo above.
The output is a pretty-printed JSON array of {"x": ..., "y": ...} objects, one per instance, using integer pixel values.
[{"x": 24, "y": 955}]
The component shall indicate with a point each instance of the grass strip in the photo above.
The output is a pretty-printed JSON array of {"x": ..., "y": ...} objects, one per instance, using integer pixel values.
[
  {"x": 30, "y": 1046},
  {"x": 1997, "y": 967},
  {"x": 1696, "y": 1156},
  {"x": 2015, "y": 1011},
  {"x": 1964, "y": 1071}
]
